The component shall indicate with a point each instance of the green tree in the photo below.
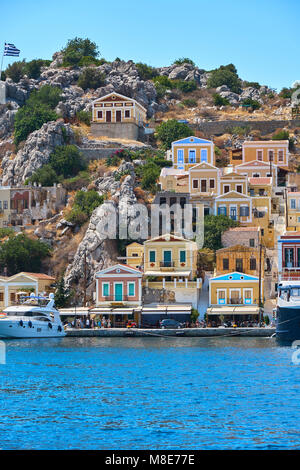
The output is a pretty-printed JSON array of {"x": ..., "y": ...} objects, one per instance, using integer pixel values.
[
  {"x": 62, "y": 294},
  {"x": 21, "y": 253},
  {"x": 254, "y": 104},
  {"x": 171, "y": 130},
  {"x": 16, "y": 71},
  {"x": 67, "y": 160},
  {"x": 78, "y": 48},
  {"x": 30, "y": 118},
  {"x": 186, "y": 86},
  {"x": 214, "y": 226},
  {"x": 91, "y": 78},
  {"x": 225, "y": 75}
]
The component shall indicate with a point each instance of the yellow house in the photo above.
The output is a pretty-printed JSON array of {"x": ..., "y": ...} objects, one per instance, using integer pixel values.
[
  {"x": 236, "y": 205},
  {"x": 204, "y": 180},
  {"x": 190, "y": 151},
  {"x": 118, "y": 108},
  {"x": 260, "y": 190},
  {"x": 11, "y": 288},
  {"x": 274, "y": 151},
  {"x": 170, "y": 262},
  {"x": 234, "y": 288},
  {"x": 293, "y": 211},
  {"x": 233, "y": 182},
  {"x": 238, "y": 258},
  {"x": 134, "y": 255}
]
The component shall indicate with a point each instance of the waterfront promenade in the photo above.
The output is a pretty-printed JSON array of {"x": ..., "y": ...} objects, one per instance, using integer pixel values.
[{"x": 187, "y": 332}]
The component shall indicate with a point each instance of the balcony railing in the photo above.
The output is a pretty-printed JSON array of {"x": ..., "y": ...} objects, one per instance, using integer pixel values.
[
  {"x": 171, "y": 285},
  {"x": 167, "y": 264},
  {"x": 117, "y": 298}
]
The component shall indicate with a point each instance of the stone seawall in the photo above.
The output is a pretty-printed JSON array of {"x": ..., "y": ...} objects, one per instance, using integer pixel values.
[
  {"x": 187, "y": 332},
  {"x": 210, "y": 128}
]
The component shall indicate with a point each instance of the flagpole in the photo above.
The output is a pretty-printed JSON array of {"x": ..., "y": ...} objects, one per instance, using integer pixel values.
[{"x": 2, "y": 62}]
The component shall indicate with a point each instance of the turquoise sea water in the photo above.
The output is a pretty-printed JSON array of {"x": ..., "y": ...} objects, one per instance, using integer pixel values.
[{"x": 136, "y": 393}]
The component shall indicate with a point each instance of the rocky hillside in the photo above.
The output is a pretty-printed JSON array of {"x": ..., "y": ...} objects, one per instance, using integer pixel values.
[{"x": 181, "y": 91}]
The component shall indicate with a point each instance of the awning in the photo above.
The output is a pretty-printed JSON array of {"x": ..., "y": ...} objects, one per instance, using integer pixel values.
[
  {"x": 168, "y": 273},
  {"x": 72, "y": 311},
  {"x": 251, "y": 310}
]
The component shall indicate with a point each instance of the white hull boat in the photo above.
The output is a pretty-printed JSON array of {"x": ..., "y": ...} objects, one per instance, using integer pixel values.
[{"x": 35, "y": 318}]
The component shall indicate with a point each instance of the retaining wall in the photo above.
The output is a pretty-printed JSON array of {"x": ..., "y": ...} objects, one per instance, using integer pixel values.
[{"x": 221, "y": 127}]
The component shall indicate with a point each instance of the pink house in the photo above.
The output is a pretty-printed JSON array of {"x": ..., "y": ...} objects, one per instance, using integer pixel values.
[{"x": 119, "y": 284}]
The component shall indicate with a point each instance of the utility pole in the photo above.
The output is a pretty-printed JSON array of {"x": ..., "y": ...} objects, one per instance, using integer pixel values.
[
  {"x": 259, "y": 279},
  {"x": 84, "y": 285},
  {"x": 286, "y": 210}
]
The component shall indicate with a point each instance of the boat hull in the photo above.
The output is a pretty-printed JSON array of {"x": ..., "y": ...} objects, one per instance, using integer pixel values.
[
  {"x": 9, "y": 329},
  {"x": 288, "y": 323}
]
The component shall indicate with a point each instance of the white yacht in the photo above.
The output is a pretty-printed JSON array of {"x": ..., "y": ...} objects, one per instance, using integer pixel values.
[{"x": 36, "y": 317}]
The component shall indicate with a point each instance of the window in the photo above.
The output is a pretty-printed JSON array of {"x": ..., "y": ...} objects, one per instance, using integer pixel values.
[
  {"x": 1, "y": 297},
  {"x": 239, "y": 188},
  {"x": 180, "y": 158},
  {"x": 162, "y": 201},
  {"x": 255, "y": 175},
  {"x": 152, "y": 256},
  {"x": 182, "y": 256},
  {"x": 288, "y": 257},
  {"x": 212, "y": 184},
  {"x": 280, "y": 155},
  {"x": 226, "y": 188},
  {"x": 293, "y": 203},
  {"x": 192, "y": 156},
  {"x": 225, "y": 264},
  {"x": 239, "y": 265},
  {"x": 99, "y": 114},
  {"x": 131, "y": 289},
  {"x": 105, "y": 289},
  {"x": 271, "y": 155},
  {"x": 195, "y": 184},
  {"x": 262, "y": 231},
  {"x": 252, "y": 264},
  {"x": 5, "y": 205},
  {"x": 203, "y": 186},
  {"x": 0, "y": 205},
  {"x": 259, "y": 155},
  {"x": 127, "y": 113},
  {"x": 252, "y": 242},
  {"x": 222, "y": 210},
  {"x": 204, "y": 155},
  {"x": 244, "y": 211},
  {"x": 12, "y": 297}
]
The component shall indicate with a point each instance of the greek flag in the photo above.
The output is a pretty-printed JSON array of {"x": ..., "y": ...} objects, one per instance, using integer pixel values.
[{"x": 11, "y": 50}]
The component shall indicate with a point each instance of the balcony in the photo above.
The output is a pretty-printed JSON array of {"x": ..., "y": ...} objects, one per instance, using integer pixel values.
[
  {"x": 171, "y": 285},
  {"x": 291, "y": 273},
  {"x": 167, "y": 265}
]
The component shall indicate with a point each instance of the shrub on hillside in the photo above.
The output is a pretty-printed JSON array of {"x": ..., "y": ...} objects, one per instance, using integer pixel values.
[
  {"x": 254, "y": 104},
  {"x": 77, "y": 182},
  {"x": 67, "y": 160},
  {"x": 281, "y": 135},
  {"x": 45, "y": 176},
  {"x": 189, "y": 102},
  {"x": 150, "y": 174},
  {"x": 219, "y": 100},
  {"x": 225, "y": 75},
  {"x": 171, "y": 130},
  {"x": 16, "y": 71},
  {"x": 186, "y": 86},
  {"x": 31, "y": 118},
  {"x": 146, "y": 72},
  {"x": 91, "y": 78},
  {"x": 47, "y": 94},
  {"x": 84, "y": 204},
  {"x": 85, "y": 117},
  {"x": 33, "y": 68},
  {"x": 184, "y": 60}
]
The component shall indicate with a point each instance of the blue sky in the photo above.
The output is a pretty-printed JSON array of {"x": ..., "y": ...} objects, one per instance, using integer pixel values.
[{"x": 258, "y": 36}]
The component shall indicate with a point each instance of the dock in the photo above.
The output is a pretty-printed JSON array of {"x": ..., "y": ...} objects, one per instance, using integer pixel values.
[{"x": 186, "y": 332}]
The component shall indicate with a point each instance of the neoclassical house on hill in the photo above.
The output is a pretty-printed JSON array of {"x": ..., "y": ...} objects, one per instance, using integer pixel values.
[{"x": 117, "y": 116}]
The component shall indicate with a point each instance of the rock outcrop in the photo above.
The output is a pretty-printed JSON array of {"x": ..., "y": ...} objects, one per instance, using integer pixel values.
[{"x": 35, "y": 152}]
